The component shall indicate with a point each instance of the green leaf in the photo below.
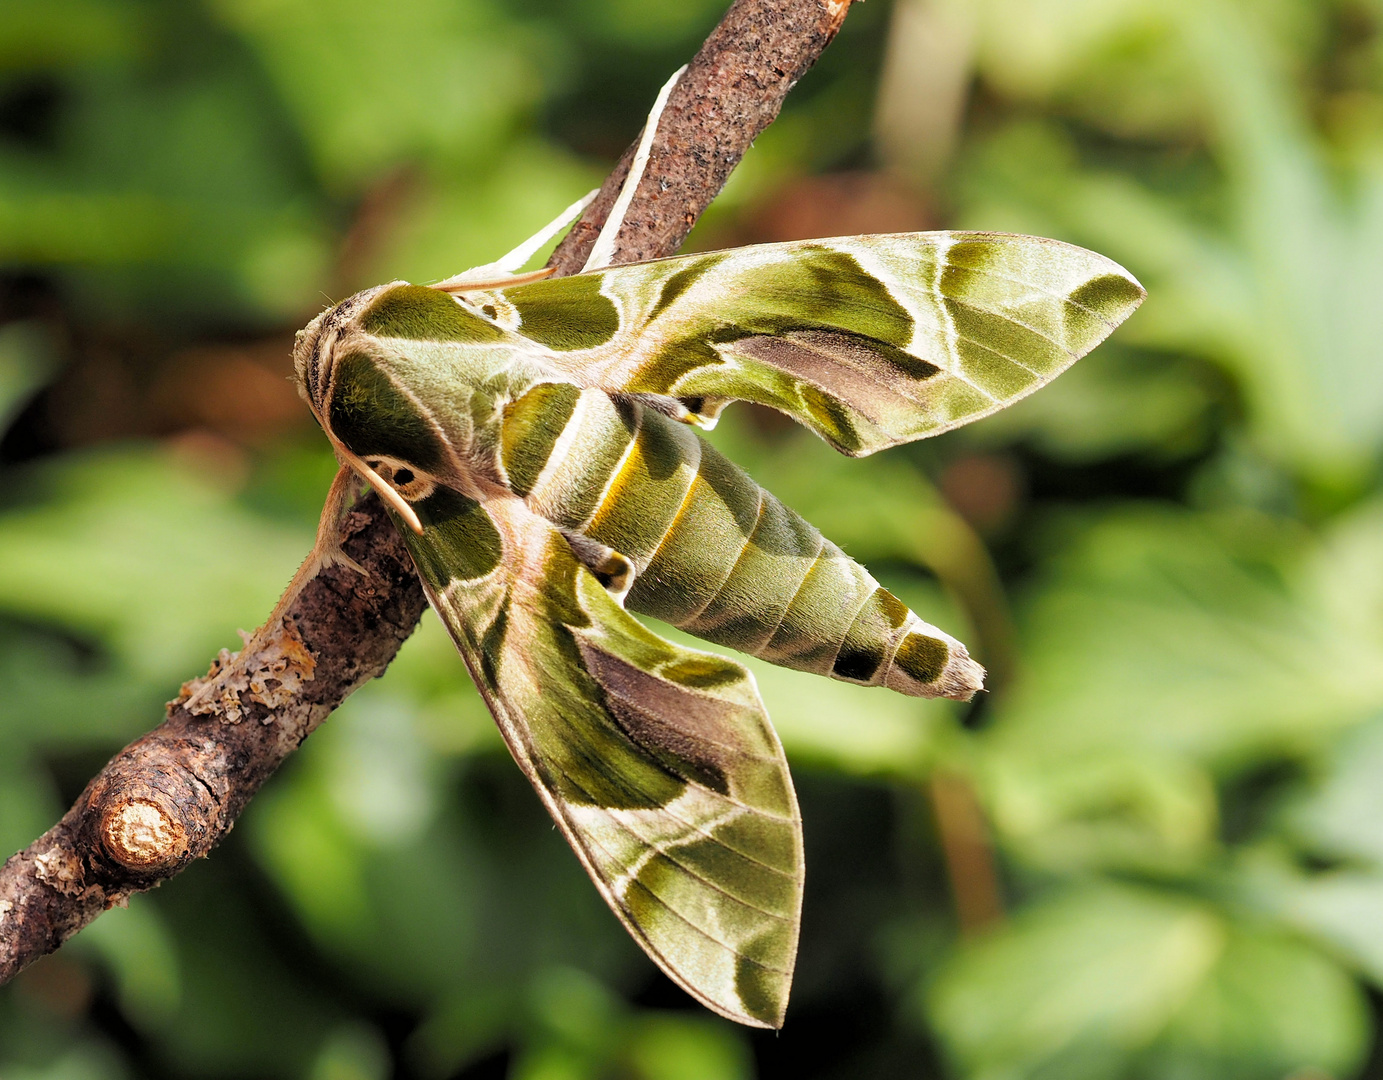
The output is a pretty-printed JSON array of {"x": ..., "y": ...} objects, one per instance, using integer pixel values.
[
  {"x": 1340, "y": 818},
  {"x": 1115, "y": 63},
  {"x": 89, "y": 1062},
  {"x": 354, "y": 1051},
  {"x": 129, "y": 569},
  {"x": 1340, "y": 910},
  {"x": 144, "y": 553},
  {"x": 165, "y": 195},
  {"x": 1119, "y": 809},
  {"x": 38, "y": 34},
  {"x": 1092, "y": 975},
  {"x": 1170, "y": 633},
  {"x": 1161, "y": 649},
  {"x": 650, "y": 26},
  {"x": 371, "y": 87},
  {"x": 671, "y": 1047},
  {"x": 1271, "y": 1007}
]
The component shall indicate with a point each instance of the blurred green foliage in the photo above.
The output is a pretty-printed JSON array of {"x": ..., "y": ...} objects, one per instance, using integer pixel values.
[{"x": 1153, "y": 852}]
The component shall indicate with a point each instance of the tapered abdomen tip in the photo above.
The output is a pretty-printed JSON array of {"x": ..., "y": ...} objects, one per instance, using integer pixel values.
[
  {"x": 963, "y": 677},
  {"x": 934, "y": 665}
]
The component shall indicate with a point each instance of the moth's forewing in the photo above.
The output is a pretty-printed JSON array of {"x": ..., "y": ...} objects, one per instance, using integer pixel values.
[
  {"x": 869, "y": 340},
  {"x": 657, "y": 762}
]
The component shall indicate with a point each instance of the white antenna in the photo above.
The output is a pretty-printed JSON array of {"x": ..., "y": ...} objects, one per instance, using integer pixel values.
[{"x": 604, "y": 250}]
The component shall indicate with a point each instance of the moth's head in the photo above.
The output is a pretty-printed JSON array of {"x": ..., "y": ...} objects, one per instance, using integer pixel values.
[
  {"x": 364, "y": 367},
  {"x": 316, "y": 345}
]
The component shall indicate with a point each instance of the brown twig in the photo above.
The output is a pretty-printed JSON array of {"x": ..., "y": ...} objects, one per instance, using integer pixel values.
[
  {"x": 170, "y": 797},
  {"x": 732, "y": 90}
]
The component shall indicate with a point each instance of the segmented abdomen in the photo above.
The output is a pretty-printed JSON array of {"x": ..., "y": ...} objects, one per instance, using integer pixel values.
[{"x": 715, "y": 554}]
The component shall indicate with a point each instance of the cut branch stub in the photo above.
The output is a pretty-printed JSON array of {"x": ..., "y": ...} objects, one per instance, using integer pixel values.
[{"x": 142, "y": 835}]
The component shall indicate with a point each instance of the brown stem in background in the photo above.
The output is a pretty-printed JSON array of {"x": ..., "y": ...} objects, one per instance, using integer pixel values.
[
  {"x": 378, "y": 212},
  {"x": 966, "y": 847},
  {"x": 945, "y": 543},
  {"x": 170, "y": 796}
]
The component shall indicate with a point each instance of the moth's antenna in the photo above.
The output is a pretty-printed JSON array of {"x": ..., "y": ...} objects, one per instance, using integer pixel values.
[
  {"x": 476, "y": 281},
  {"x": 503, "y": 271},
  {"x": 604, "y": 250},
  {"x": 515, "y": 260}
]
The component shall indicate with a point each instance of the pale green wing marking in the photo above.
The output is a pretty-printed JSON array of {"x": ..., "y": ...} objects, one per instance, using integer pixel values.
[
  {"x": 868, "y": 340},
  {"x": 657, "y": 762}
]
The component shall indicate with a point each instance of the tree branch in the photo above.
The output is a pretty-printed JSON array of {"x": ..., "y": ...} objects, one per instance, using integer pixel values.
[{"x": 170, "y": 796}]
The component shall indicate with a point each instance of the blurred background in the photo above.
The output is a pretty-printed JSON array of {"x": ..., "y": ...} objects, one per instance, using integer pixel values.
[{"x": 1154, "y": 851}]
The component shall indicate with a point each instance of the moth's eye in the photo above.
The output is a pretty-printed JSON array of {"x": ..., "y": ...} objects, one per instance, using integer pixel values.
[
  {"x": 411, "y": 485},
  {"x": 406, "y": 480}
]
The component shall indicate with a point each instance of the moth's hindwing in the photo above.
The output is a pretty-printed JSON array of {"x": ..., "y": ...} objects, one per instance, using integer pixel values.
[
  {"x": 657, "y": 762},
  {"x": 868, "y": 340}
]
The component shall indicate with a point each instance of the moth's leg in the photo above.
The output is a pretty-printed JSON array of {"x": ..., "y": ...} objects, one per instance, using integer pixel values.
[
  {"x": 611, "y": 569},
  {"x": 503, "y": 270},
  {"x": 604, "y": 249},
  {"x": 327, "y": 550}
]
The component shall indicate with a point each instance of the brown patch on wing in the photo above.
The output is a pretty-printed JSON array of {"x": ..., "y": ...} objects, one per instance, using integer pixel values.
[
  {"x": 693, "y": 735},
  {"x": 845, "y": 366}
]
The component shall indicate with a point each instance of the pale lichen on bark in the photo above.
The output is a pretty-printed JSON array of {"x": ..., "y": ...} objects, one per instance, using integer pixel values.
[{"x": 269, "y": 671}]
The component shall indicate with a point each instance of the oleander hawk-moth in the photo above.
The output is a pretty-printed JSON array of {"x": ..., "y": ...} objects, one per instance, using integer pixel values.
[{"x": 534, "y": 441}]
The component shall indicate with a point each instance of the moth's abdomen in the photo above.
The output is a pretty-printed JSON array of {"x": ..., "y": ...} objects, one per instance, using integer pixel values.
[
  {"x": 737, "y": 567},
  {"x": 560, "y": 446},
  {"x": 721, "y": 558}
]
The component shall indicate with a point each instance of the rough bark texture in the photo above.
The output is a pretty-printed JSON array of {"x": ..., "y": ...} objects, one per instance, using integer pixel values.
[{"x": 170, "y": 796}]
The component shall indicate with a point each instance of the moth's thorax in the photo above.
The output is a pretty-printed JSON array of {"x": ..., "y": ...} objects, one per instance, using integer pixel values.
[{"x": 406, "y": 374}]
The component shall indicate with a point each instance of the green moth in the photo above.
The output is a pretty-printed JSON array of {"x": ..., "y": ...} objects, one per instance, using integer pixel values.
[{"x": 535, "y": 441}]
